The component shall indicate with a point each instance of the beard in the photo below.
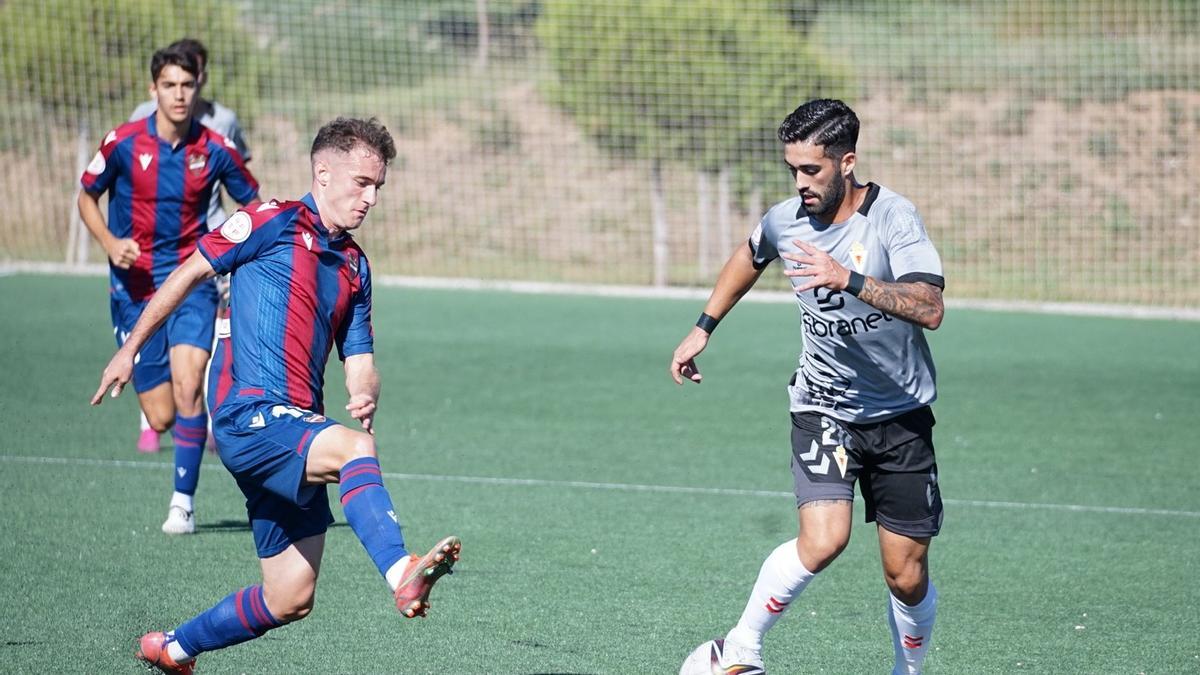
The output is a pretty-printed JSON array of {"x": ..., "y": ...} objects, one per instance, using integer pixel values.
[{"x": 827, "y": 204}]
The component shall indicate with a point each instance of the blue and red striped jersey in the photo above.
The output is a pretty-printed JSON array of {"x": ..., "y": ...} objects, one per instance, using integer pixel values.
[
  {"x": 295, "y": 292},
  {"x": 159, "y": 195}
]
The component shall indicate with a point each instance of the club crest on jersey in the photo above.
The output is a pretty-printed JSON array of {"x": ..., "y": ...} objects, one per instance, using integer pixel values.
[
  {"x": 839, "y": 456},
  {"x": 237, "y": 228},
  {"x": 144, "y": 159},
  {"x": 858, "y": 256},
  {"x": 196, "y": 163},
  {"x": 98, "y": 165}
]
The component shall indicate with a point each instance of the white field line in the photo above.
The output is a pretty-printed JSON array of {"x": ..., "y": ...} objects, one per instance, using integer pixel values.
[
  {"x": 8, "y": 268},
  {"x": 617, "y": 487}
]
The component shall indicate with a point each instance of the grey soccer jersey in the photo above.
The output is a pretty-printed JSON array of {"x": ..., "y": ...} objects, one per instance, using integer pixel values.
[
  {"x": 221, "y": 120},
  {"x": 859, "y": 364}
]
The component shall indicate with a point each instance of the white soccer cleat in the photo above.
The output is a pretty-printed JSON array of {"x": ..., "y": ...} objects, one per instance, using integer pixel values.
[
  {"x": 179, "y": 521},
  {"x": 718, "y": 657}
]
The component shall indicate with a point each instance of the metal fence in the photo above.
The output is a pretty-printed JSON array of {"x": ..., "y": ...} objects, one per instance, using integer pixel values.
[{"x": 1051, "y": 146}]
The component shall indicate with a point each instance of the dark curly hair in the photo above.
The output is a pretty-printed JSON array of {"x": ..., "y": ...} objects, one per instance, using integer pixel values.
[{"x": 826, "y": 122}]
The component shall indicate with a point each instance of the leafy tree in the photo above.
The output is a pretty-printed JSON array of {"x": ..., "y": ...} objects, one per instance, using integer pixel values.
[
  {"x": 86, "y": 61},
  {"x": 699, "y": 82}
]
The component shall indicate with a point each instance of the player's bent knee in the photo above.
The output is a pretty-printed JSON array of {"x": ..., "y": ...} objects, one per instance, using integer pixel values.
[
  {"x": 290, "y": 606},
  {"x": 161, "y": 422},
  {"x": 818, "y": 549},
  {"x": 362, "y": 445},
  {"x": 908, "y": 585},
  {"x": 187, "y": 392},
  {"x": 294, "y": 612}
]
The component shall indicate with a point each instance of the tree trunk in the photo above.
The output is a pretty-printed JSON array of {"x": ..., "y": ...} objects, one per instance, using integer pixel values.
[
  {"x": 78, "y": 239},
  {"x": 703, "y": 224},
  {"x": 481, "y": 19},
  {"x": 724, "y": 224},
  {"x": 755, "y": 204},
  {"x": 658, "y": 209}
]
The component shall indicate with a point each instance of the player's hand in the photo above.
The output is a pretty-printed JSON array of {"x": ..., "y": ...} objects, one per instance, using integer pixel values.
[
  {"x": 683, "y": 362},
  {"x": 362, "y": 408},
  {"x": 824, "y": 270},
  {"x": 123, "y": 252},
  {"x": 116, "y": 375}
]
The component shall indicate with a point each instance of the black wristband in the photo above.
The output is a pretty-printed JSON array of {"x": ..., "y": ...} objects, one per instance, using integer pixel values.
[
  {"x": 856, "y": 283},
  {"x": 707, "y": 324}
]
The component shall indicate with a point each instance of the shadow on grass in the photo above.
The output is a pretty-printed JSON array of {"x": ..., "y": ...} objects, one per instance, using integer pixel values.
[{"x": 229, "y": 525}]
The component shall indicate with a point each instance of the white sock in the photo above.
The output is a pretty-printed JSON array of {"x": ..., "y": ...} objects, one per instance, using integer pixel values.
[
  {"x": 183, "y": 501},
  {"x": 912, "y": 628},
  {"x": 176, "y": 652},
  {"x": 145, "y": 422},
  {"x": 780, "y": 580},
  {"x": 396, "y": 572}
]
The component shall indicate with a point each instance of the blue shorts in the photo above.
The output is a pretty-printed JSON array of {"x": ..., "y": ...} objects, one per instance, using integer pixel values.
[
  {"x": 264, "y": 443},
  {"x": 190, "y": 324}
]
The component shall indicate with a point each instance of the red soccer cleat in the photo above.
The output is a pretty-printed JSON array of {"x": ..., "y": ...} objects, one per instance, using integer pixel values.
[
  {"x": 152, "y": 650},
  {"x": 412, "y": 595}
]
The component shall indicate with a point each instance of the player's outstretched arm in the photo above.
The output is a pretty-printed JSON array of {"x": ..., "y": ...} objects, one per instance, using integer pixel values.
[
  {"x": 916, "y": 302},
  {"x": 169, "y": 296},
  {"x": 737, "y": 277},
  {"x": 363, "y": 385}
]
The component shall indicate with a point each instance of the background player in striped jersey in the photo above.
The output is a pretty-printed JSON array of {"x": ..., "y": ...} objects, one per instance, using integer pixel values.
[
  {"x": 300, "y": 286},
  {"x": 159, "y": 174},
  {"x": 225, "y": 122},
  {"x": 868, "y": 282}
]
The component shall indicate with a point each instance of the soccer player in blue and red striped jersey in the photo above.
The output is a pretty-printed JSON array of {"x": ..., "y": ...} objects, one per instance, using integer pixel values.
[
  {"x": 159, "y": 174},
  {"x": 300, "y": 287}
]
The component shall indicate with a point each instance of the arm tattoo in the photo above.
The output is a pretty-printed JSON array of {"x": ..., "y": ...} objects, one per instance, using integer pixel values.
[{"x": 916, "y": 302}]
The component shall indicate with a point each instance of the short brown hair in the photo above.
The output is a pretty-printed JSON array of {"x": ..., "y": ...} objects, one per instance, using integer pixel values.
[
  {"x": 173, "y": 56},
  {"x": 343, "y": 133}
]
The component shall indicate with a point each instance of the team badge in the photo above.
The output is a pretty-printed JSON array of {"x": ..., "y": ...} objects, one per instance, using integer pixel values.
[
  {"x": 144, "y": 159},
  {"x": 237, "y": 228},
  {"x": 858, "y": 256},
  {"x": 98, "y": 165},
  {"x": 196, "y": 163}
]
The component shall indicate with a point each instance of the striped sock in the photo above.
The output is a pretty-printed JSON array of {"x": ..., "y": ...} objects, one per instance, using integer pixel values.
[
  {"x": 780, "y": 579},
  {"x": 241, "y": 616},
  {"x": 368, "y": 509},
  {"x": 912, "y": 628},
  {"x": 189, "y": 435}
]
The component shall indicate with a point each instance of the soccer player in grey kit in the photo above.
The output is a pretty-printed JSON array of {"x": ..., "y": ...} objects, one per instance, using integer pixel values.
[{"x": 868, "y": 282}]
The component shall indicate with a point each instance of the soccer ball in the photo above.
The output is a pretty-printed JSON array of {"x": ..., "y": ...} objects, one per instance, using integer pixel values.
[{"x": 710, "y": 659}]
